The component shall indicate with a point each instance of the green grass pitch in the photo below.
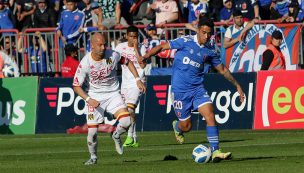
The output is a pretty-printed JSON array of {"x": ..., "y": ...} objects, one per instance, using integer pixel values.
[{"x": 256, "y": 151}]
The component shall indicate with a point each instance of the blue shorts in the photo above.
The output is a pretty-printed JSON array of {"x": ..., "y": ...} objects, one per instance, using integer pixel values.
[{"x": 185, "y": 102}]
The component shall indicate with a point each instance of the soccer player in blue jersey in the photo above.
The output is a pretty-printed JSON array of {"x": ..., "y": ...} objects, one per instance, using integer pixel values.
[{"x": 188, "y": 90}]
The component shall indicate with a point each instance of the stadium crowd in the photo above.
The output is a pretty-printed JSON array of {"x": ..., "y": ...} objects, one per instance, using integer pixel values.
[{"x": 73, "y": 17}]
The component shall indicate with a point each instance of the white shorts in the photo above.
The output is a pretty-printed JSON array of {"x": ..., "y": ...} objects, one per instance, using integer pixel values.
[
  {"x": 131, "y": 95},
  {"x": 110, "y": 102}
]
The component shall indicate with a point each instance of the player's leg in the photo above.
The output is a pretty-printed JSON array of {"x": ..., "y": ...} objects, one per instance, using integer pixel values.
[
  {"x": 133, "y": 96},
  {"x": 182, "y": 107},
  {"x": 125, "y": 95},
  {"x": 94, "y": 117},
  {"x": 117, "y": 107},
  {"x": 206, "y": 111}
]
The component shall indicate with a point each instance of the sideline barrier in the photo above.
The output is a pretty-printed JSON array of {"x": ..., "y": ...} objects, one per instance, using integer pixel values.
[
  {"x": 279, "y": 105},
  {"x": 59, "y": 108},
  {"x": 18, "y": 104}
]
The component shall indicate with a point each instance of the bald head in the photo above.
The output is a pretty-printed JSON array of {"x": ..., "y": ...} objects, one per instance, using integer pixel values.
[
  {"x": 98, "y": 45},
  {"x": 98, "y": 37}
]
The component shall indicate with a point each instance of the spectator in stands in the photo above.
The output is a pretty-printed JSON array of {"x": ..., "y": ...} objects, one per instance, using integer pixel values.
[
  {"x": 249, "y": 8},
  {"x": 234, "y": 30},
  {"x": 166, "y": 12},
  {"x": 264, "y": 8},
  {"x": 272, "y": 57},
  {"x": 280, "y": 10},
  {"x": 7, "y": 19},
  {"x": 195, "y": 8},
  {"x": 71, "y": 20},
  {"x": 88, "y": 14},
  {"x": 9, "y": 48},
  {"x": 69, "y": 66},
  {"x": 37, "y": 56},
  {"x": 25, "y": 9},
  {"x": 110, "y": 14},
  {"x": 127, "y": 10},
  {"x": 226, "y": 12},
  {"x": 293, "y": 11},
  {"x": 63, "y": 8},
  {"x": 96, "y": 11},
  {"x": 44, "y": 16},
  {"x": 215, "y": 7},
  {"x": 54, "y": 4},
  {"x": 151, "y": 31},
  {"x": 9, "y": 4}
]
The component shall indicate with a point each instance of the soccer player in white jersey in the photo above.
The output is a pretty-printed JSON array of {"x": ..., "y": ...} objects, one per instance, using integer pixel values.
[
  {"x": 129, "y": 91},
  {"x": 97, "y": 70}
]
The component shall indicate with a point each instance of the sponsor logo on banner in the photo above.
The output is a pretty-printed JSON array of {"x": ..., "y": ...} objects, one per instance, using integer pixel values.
[
  {"x": 247, "y": 55},
  {"x": 279, "y": 105},
  {"x": 7, "y": 119}
]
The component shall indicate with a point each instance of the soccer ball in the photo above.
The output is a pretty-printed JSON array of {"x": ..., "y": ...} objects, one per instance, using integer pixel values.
[
  {"x": 8, "y": 70},
  {"x": 202, "y": 154}
]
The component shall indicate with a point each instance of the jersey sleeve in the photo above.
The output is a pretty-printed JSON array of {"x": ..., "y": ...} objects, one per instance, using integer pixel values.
[
  {"x": 177, "y": 43},
  {"x": 81, "y": 73},
  {"x": 213, "y": 59}
]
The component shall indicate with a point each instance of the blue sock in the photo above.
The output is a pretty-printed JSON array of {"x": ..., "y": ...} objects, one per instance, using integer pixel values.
[
  {"x": 176, "y": 127},
  {"x": 213, "y": 138}
]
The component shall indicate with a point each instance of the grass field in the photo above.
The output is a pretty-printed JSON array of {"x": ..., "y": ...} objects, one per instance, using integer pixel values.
[{"x": 258, "y": 151}]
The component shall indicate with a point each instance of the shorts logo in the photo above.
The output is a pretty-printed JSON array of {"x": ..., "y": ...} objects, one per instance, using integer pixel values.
[
  {"x": 90, "y": 117},
  {"x": 178, "y": 114},
  {"x": 109, "y": 61}
]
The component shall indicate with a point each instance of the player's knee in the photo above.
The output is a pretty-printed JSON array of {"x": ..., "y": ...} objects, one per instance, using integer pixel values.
[{"x": 125, "y": 121}]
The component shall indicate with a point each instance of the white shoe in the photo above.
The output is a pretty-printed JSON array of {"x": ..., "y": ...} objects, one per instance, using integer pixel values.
[
  {"x": 118, "y": 144},
  {"x": 91, "y": 161}
]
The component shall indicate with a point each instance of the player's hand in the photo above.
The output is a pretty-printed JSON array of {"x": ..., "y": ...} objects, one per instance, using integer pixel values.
[
  {"x": 141, "y": 86},
  {"x": 240, "y": 91},
  {"x": 194, "y": 22},
  {"x": 93, "y": 103},
  {"x": 80, "y": 30},
  {"x": 135, "y": 42},
  {"x": 59, "y": 33},
  {"x": 141, "y": 59},
  {"x": 63, "y": 39}
]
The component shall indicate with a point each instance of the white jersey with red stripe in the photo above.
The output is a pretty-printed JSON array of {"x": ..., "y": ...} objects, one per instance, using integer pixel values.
[
  {"x": 99, "y": 76},
  {"x": 128, "y": 79}
]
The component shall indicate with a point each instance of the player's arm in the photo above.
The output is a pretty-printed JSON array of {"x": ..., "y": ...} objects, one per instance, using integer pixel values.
[
  {"x": 133, "y": 70},
  {"x": 80, "y": 75},
  {"x": 154, "y": 51},
  {"x": 142, "y": 65},
  {"x": 223, "y": 70}
]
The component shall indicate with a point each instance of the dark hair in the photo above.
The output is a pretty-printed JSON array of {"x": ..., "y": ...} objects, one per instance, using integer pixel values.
[
  {"x": 205, "y": 21},
  {"x": 237, "y": 13},
  {"x": 132, "y": 28}
]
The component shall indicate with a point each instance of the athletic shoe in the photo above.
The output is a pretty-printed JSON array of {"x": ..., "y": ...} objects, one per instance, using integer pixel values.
[
  {"x": 179, "y": 137},
  {"x": 129, "y": 141},
  {"x": 91, "y": 161},
  {"x": 118, "y": 144},
  {"x": 135, "y": 145},
  {"x": 218, "y": 156}
]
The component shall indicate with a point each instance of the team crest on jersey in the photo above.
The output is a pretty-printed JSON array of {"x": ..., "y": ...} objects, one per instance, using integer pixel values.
[
  {"x": 76, "y": 17},
  {"x": 178, "y": 114},
  {"x": 167, "y": 7},
  {"x": 109, "y": 61},
  {"x": 244, "y": 6},
  {"x": 90, "y": 117}
]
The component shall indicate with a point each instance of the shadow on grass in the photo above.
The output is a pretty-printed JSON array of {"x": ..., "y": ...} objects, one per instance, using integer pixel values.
[
  {"x": 261, "y": 158},
  {"x": 202, "y": 142}
]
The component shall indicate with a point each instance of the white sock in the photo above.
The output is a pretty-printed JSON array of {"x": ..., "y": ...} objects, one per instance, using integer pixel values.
[
  {"x": 92, "y": 141},
  {"x": 131, "y": 128},
  {"x": 124, "y": 121}
]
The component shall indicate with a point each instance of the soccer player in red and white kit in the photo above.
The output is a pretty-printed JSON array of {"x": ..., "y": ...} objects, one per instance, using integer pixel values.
[
  {"x": 129, "y": 91},
  {"x": 97, "y": 70}
]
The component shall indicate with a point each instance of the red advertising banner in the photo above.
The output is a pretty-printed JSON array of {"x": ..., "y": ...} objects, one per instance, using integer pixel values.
[{"x": 279, "y": 100}]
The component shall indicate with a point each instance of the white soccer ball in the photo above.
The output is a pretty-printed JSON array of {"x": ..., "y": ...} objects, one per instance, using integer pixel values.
[
  {"x": 202, "y": 154},
  {"x": 8, "y": 70}
]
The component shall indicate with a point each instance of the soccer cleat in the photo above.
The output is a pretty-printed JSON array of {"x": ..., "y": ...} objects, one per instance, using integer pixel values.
[
  {"x": 129, "y": 141},
  {"x": 218, "y": 156},
  {"x": 179, "y": 137},
  {"x": 91, "y": 161},
  {"x": 135, "y": 145},
  {"x": 118, "y": 144}
]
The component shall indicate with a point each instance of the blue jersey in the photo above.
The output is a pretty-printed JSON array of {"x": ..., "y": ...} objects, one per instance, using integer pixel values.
[
  {"x": 6, "y": 21},
  {"x": 188, "y": 67},
  {"x": 195, "y": 10},
  {"x": 38, "y": 60},
  {"x": 70, "y": 22}
]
